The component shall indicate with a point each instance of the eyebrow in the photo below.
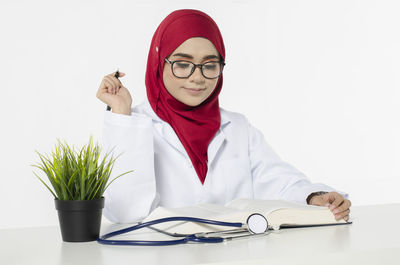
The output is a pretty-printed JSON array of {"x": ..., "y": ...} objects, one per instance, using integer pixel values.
[{"x": 207, "y": 57}]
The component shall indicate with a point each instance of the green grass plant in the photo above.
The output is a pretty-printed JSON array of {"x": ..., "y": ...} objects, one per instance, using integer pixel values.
[{"x": 77, "y": 175}]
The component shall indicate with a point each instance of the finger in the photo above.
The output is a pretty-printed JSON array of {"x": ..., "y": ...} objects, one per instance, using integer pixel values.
[
  {"x": 346, "y": 218},
  {"x": 109, "y": 86},
  {"x": 120, "y": 74},
  {"x": 119, "y": 89},
  {"x": 114, "y": 81},
  {"x": 104, "y": 86},
  {"x": 341, "y": 215},
  {"x": 343, "y": 207},
  {"x": 321, "y": 200},
  {"x": 111, "y": 89},
  {"x": 335, "y": 199},
  {"x": 318, "y": 200},
  {"x": 115, "y": 86}
]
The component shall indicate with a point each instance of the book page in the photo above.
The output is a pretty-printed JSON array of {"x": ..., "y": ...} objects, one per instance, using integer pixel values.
[
  {"x": 266, "y": 206},
  {"x": 205, "y": 211}
]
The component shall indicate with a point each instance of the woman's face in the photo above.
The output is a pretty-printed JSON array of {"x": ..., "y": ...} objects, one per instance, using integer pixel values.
[{"x": 196, "y": 88}]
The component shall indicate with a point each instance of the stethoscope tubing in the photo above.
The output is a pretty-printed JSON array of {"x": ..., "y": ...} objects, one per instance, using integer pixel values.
[{"x": 189, "y": 238}]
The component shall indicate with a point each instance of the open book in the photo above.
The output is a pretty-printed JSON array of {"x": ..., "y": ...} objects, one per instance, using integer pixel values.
[{"x": 280, "y": 214}]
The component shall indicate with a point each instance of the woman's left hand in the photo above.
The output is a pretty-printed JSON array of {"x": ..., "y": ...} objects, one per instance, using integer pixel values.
[{"x": 338, "y": 205}]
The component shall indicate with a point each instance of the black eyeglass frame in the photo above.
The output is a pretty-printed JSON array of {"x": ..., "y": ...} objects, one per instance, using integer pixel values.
[{"x": 200, "y": 65}]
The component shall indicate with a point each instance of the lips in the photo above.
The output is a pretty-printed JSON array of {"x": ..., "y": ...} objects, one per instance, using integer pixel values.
[{"x": 194, "y": 89}]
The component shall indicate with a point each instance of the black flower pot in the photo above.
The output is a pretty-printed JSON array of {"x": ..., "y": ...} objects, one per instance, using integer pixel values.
[{"x": 80, "y": 220}]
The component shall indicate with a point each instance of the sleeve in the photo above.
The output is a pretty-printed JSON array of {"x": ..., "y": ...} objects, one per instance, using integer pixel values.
[
  {"x": 276, "y": 179},
  {"x": 132, "y": 196}
]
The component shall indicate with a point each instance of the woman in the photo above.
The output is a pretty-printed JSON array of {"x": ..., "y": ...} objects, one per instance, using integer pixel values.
[{"x": 184, "y": 148}]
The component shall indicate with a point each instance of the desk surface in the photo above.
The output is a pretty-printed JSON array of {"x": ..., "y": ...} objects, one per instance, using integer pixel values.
[{"x": 363, "y": 242}]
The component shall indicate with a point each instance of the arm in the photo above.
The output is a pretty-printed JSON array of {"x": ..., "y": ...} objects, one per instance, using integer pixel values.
[
  {"x": 132, "y": 196},
  {"x": 275, "y": 179}
]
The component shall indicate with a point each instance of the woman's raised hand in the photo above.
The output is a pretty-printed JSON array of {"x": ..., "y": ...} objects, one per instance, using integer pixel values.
[{"x": 114, "y": 94}]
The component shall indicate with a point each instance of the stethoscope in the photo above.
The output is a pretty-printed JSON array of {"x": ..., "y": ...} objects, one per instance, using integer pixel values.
[{"x": 256, "y": 224}]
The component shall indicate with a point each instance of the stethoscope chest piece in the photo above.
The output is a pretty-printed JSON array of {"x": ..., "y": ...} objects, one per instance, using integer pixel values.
[{"x": 257, "y": 223}]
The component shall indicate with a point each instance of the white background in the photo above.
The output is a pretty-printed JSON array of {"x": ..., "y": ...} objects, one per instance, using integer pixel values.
[{"x": 319, "y": 78}]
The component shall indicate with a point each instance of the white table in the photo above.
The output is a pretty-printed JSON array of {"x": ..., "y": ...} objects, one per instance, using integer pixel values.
[{"x": 366, "y": 241}]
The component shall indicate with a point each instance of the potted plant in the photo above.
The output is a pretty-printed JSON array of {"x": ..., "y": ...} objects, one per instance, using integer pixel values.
[{"x": 79, "y": 179}]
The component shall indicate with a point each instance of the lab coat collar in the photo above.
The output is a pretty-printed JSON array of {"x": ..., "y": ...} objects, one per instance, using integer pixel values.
[{"x": 171, "y": 137}]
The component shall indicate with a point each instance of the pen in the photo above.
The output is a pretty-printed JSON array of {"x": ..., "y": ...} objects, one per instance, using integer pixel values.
[{"x": 116, "y": 75}]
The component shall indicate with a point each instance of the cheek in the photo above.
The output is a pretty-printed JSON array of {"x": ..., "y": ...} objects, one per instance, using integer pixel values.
[
  {"x": 168, "y": 79},
  {"x": 165, "y": 76},
  {"x": 212, "y": 84}
]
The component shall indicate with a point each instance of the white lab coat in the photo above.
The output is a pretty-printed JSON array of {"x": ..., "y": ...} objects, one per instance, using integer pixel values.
[{"x": 240, "y": 165}]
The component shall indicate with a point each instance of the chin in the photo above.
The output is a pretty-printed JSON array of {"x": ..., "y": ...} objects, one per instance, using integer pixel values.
[{"x": 192, "y": 103}]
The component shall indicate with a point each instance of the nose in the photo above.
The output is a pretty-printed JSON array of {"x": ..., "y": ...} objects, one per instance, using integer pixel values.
[{"x": 197, "y": 76}]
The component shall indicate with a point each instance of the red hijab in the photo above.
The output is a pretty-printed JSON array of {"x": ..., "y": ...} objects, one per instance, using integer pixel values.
[{"x": 194, "y": 126}]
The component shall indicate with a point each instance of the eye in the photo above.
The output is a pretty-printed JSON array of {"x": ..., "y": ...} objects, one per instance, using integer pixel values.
[
  {"x": 182, "y": 65},
  {"x": 210, "y": 66}
]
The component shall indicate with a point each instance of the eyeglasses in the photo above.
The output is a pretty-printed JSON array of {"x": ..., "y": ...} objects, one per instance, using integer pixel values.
[{"x": 184, "y": 69}]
